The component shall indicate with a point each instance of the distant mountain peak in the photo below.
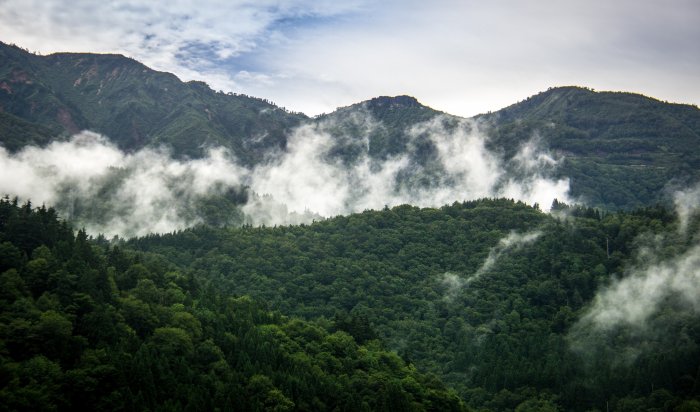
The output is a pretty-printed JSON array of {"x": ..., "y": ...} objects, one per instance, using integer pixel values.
[
  {"x": 396, "y": 101},
  {"x": 387, "y": 108}
]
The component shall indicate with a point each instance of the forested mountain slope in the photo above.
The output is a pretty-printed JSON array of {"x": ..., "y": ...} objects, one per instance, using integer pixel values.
[
  {"x": 618, "y": 150},
  {"x": 512, "y": 308},
  {"x": 89, "y": 326},
  {"x": 379, "y": 127},
  {"x": 621, "y": 149},
  {"x": 133, "y": 105},
  {"x": 497, "y": 298}
]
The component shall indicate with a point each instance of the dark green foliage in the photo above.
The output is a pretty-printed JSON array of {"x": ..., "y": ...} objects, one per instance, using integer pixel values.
[
  {"x": 16, "y": 133},
  {"x": 502, "y": 340},
  {"x": 381, "y": 313},
  {"x": 85, "y": 325}
]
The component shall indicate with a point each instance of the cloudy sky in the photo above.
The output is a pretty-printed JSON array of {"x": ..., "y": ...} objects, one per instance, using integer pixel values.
[{"x": 463, "y": 57}]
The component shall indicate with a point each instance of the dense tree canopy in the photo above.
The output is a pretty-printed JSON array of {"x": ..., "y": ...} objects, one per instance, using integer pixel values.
[
  {"x": 372, "y": 311},
  {"x": 86, "y": 324}
]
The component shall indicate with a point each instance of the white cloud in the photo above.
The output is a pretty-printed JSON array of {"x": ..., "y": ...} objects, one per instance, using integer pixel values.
[
  {"x": 464, "y": 155},
  {"x": 470, "y": 57},
  {"x": 649, "y": 306},
  {"x": 307, "y": 178},
  {"x": 35, "y": 173},
  {"x": 513, "y": 241},
  {"x": 111, "y": 192},
  {"x": 687, "y": 204},
  {"x": 302, "y": 179},
  {"x": 188, "y": 38},
  {"x": 634, "y": 299},
  {"x": 133, "y": 194},
  {"x": 530, "y": 166}
]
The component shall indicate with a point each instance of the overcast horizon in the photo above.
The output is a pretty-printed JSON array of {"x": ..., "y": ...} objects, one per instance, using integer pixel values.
[{"x": 463, "y": 58}]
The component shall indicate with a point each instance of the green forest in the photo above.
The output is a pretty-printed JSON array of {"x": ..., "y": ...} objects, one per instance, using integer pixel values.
[{"x": 475, "y": 306}]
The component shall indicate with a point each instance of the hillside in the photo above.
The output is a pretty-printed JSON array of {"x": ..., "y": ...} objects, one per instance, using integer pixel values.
[
  {"x": 498, "y": 299},
  {"x": 511, "y": 308},
  {"x": 88, "y": 325},
  {"x": 133, "y": 105},
  {"x": 621, "y": 149}
]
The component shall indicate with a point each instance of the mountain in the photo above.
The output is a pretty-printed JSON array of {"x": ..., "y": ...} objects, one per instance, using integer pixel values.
[
  {"x": 378, "y": 125},
  {"x": 133, "y": 105},
  {"x": 617, "y": 150},
  {"x": 620, "y": 149}
]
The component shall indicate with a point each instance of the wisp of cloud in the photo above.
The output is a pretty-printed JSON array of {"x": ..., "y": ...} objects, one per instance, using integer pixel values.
[
  {"x": 632, "y": 300},
  {"x": 512, "y": 242},
  {"x": 107, "y": 191},
  {"x": 687, "y": 204},
  {"x": 644, "y": 310}
]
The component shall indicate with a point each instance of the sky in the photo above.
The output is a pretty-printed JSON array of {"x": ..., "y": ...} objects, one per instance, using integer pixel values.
[{"x": 462, "y": 57}]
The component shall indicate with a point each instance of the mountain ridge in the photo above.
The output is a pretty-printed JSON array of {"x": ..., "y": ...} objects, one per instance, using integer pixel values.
[
  {"x": 618, "y": 149},
  {"x": 639, "y": 142},
  {"x": 134, "y": 105}
]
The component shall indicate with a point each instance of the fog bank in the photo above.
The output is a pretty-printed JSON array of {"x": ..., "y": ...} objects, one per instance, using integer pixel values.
[{"x": 97, "y": 186}]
